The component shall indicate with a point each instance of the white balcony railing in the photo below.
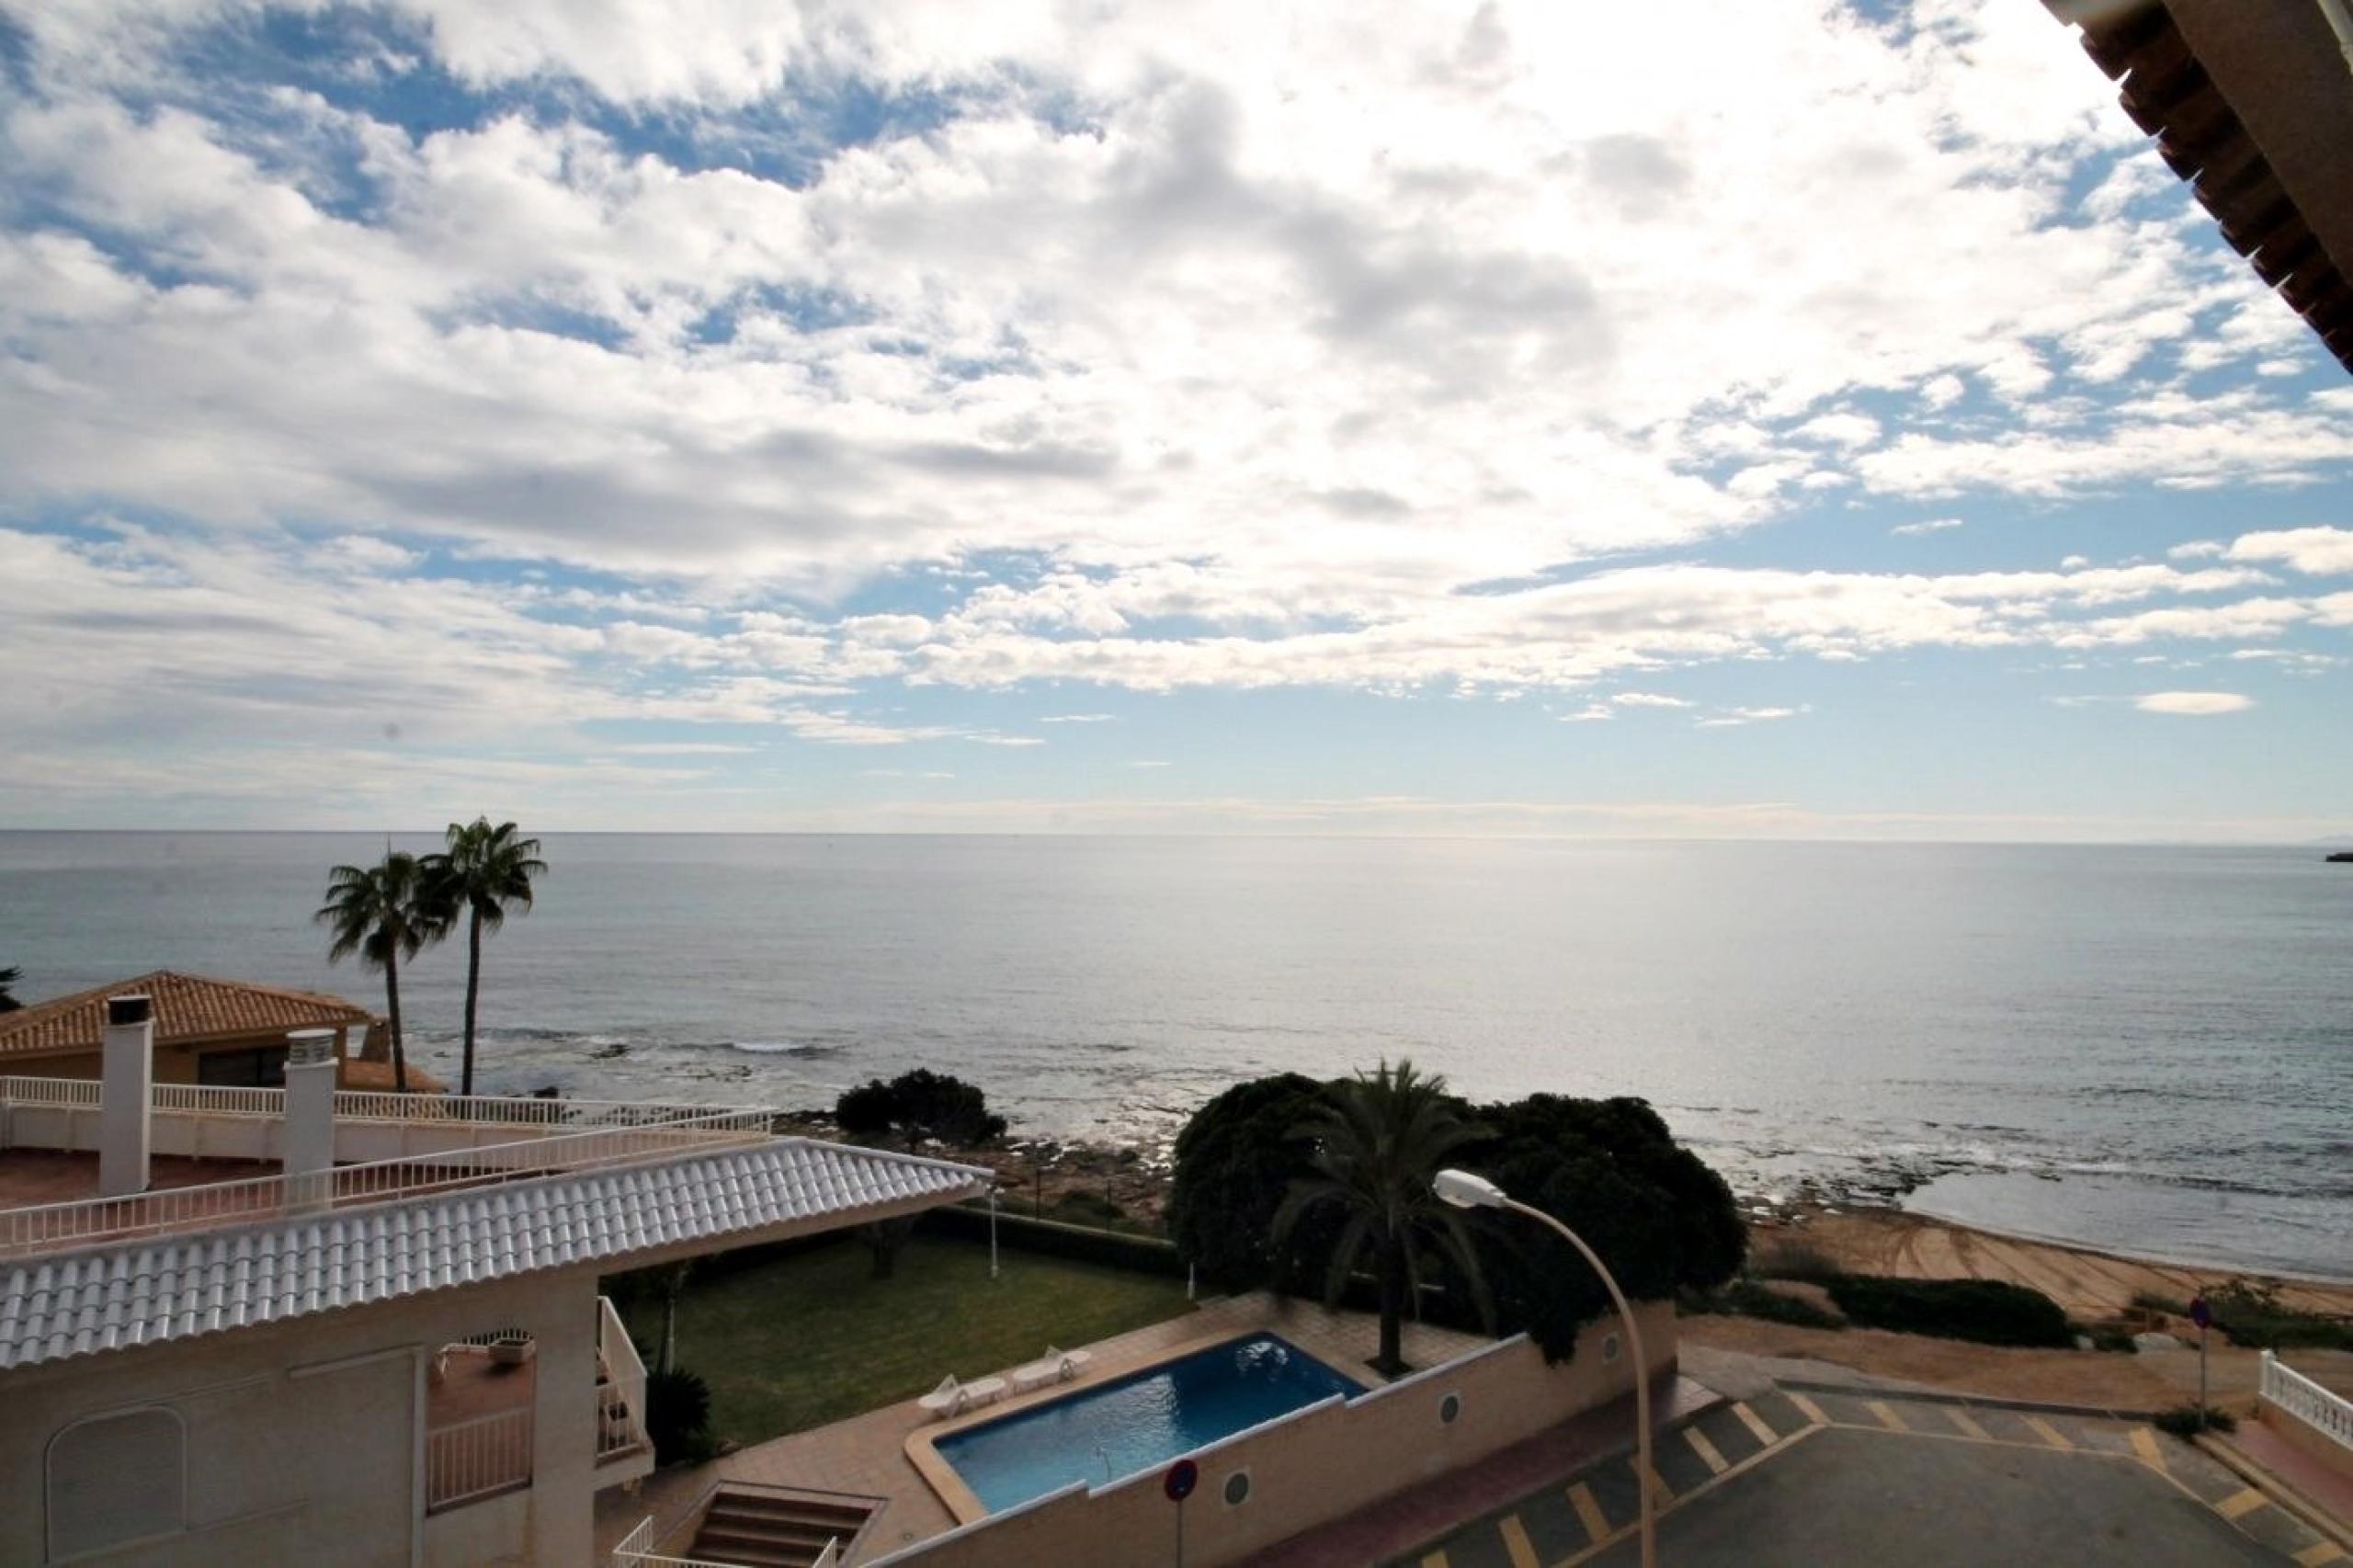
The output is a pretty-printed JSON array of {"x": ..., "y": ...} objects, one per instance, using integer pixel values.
[
  {"x": 2295, "y": 1394},
  {"x": 61, "y": 1224},
  {"x": 361, "y": 1105},
  {"x": 468, "y": 1460},
  {"x": 620, "y": 1392}
]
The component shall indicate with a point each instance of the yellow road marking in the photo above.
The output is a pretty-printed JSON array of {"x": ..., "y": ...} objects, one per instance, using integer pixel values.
[
  {"x": 1516, "y": 1546},
  {"x": 2320, "y": 1552},
  {"x": 1756, "y": 1424},
  {"x": 1705, "y": 1450},
  {"x": 1435, "y": 1559},
  {"x": 1886, "y": 1413},
  {"x": 2047, "y": 1433},
  {"x": 1589, "y": 1513},
  {"x": 2246, "y": 1500},
  {"x": 1661, "y": 1492},
  {"x": 1808, "y": 1409},
  {"x": 2144, "y": 1443},
  {"x": 1968, "y": 1424}
]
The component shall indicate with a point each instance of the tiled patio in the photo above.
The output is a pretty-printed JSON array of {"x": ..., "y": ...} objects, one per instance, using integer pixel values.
[{"x": 867, "y": 1454}]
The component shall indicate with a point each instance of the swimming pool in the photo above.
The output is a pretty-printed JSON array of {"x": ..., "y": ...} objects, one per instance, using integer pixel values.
[{"x": 1139, "y": 1421}]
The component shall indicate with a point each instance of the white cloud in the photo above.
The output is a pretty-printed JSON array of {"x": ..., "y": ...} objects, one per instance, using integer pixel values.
[
  {"x": 1732, "y": 717},
  {"x": 2318, "y": 551},
  {"x": 1150, "y": 762},
  {"x": 2197, "y": 704},
  {"x": 2197, "y": 548},
  {"x": 1933, "y": 525},
  {"x": 1078, "y": 717},
  {"x": 1593, "y": 712},
  {"x": 1648, "y": 700}
]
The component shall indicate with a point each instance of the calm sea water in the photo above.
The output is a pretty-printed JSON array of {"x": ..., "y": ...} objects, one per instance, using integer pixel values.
[{"x": 2141, "y": 1048}]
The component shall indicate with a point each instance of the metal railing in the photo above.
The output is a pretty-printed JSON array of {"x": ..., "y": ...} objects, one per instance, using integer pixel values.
[
  {"x": 369, "y": 1105},
  {"x": 259, "y": 1198},
  {"x": 621, "y": 1397},
  {"x": 635, "y": 1550},
  {"x": 481, "y": 1457},
  {"x": 2296, "y": 1394}
]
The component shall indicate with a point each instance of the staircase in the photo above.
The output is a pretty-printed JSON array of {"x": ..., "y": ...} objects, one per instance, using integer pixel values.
[{"x": 777, "y": 1527}]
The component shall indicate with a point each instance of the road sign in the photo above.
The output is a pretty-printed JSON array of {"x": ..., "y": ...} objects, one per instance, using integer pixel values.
[
  {"x": 2202, "y": 1315},
  {"x": 1182, "y": 1477}
]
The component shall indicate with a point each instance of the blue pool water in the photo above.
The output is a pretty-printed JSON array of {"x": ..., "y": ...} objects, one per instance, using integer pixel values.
[{"x": 1139, "y": 1421}]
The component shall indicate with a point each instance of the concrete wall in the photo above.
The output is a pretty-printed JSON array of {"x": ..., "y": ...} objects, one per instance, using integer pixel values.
[
  {"x": 1314, "y": 1466},
  {"x": 174, "y": 1064},
  {"x": 2316, "y": 1443},
  {"x": 305, "y": 1440}
]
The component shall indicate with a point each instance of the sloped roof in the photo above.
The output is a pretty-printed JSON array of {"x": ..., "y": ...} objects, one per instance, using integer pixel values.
[
  {"x": 2251, "y": 101},
  {"x": 187, "y": 1007},
  {"x": 180, "y": 1286}
]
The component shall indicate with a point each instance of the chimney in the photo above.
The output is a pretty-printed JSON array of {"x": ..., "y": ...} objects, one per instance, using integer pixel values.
[
  {"x": 306, "y": 1148},
  {"x": 126, "y": 1085}
]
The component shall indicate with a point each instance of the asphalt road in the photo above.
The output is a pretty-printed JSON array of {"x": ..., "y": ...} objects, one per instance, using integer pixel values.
[{"x": 1849, "y": 1495}]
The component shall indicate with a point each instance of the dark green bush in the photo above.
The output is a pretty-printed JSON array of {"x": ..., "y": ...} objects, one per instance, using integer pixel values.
[
  {"x": 677, "y": 1415},
  {"x": 2250, "y": 1314},
  {"x": 1989, "y": 1312},
  {"x": 1747, "y": 1298},
  {"x": 919, "y": 1104},
  {"x": 1236, "y": 1160},
  {"x": 2186, "y": 1421}
]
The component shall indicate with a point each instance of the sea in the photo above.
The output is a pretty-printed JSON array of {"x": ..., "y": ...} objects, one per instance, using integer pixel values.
[{"x": 2147, "y": 1050}]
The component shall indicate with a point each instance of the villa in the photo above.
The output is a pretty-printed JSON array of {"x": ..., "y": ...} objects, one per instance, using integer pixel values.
[
  {"x": 311, "y": 1323},
  {"x": 228, "y": 1033}
]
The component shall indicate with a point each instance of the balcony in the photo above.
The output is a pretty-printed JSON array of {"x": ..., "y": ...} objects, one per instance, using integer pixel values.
[{"x": 482, "y": 1396}]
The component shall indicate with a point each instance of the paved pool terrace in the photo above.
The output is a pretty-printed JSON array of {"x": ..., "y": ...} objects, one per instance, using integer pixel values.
[{"x": 868, "y": 1455}]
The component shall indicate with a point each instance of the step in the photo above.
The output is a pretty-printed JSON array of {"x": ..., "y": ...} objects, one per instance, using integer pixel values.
[
  {"x": 763, "y": 1519},
  {"x": 751, "y": 1503},
  {"x": 755, "y": 1552},
  {"x": 782, "y": 1535}
]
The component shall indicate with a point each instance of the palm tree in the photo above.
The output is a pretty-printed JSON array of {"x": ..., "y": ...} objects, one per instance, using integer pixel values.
[
  {"x": 9, "y": 978},
  {"x": 380, "y": 911},
  {"x": 483, "y": 873},
  {"x": 1378, "y": 1142}
]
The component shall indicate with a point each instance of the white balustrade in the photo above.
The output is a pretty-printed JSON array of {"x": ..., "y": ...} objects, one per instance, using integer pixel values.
[
  {"x": 478, "y": 1457},
  {"x": 2292, "y": 1394},
  {"x": 621, "y": 1398}
]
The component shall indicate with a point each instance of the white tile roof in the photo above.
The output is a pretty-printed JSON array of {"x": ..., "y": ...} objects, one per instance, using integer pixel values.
[{"x": 177, "y": 1286}]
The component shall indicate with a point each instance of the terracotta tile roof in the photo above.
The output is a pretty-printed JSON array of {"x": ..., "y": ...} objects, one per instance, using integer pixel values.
[
  {"x": 187, "y": 1007},
  {"x": 2252, "y": 105},
  {"x": 176, "y": 1286}
]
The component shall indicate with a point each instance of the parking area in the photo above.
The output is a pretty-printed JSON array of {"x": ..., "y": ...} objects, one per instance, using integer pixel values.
[{"x": 1808, "y": 1475}]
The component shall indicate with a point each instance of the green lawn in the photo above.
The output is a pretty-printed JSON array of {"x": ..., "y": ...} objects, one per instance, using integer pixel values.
[{"x": 812, "y": 1338}]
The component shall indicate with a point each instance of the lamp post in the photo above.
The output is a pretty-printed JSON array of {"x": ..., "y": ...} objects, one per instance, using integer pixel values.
[{"x": 1465, "y": 1190}]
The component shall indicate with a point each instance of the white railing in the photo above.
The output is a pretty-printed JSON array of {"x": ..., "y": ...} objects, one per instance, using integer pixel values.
[
  {"x": 621, "y": 1397},
  {"x": 477, "y": 1458},
  {"x": 2295, "y": 1394},
  {"x": 635, "y": 1550},
  {"x": 59, "y": 1224},
  {"x": 369, "y": 1105}
]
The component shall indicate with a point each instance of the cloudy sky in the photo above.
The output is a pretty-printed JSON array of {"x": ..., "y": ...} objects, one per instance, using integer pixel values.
[{"x": 1805, "y": 418}]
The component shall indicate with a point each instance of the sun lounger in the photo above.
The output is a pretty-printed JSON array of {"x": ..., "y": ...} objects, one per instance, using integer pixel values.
[{"x": 949, "y": 1399}]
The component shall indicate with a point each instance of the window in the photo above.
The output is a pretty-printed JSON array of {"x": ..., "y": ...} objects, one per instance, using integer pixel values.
[
  {"x": 116, "y": 1479},
  {"x": 262, "y": 1068}
]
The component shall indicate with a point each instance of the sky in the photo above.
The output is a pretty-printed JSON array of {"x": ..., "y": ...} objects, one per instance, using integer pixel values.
[{"x": 1813, "y": 419}]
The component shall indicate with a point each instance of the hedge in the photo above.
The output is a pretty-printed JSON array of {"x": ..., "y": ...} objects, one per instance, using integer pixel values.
[
  {"x": 1989, "y": 1312},
  {"x": 1081, "y": 1244}
]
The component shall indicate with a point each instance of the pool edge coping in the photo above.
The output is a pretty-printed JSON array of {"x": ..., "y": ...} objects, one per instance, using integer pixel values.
[{"x": 959, "y": 1499}]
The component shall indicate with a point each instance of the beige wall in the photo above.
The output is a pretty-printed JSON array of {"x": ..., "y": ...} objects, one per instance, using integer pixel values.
[
  {"x": 262, "y": 1137},
  {"x": 304, "y": 1442},
  {"x": 1317, "y": 1466},
  {"x": 174, "y": 1064},
  {"x": 2303, "y": 1434}
]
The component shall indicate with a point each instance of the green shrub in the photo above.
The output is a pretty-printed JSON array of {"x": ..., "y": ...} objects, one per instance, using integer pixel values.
[
  {"x": 2186, "y": 1421},
  {"x": 1748, "y": 1298},
  {"x": 677, "y": 1415},
  {"x": 1989, "y": 1312},
  {"x": 2250, "y": 1313},
  {"x": 2116, "y": 1340},
  {"x": 1792, "y": 1260},
  {"x": 919, "y": 1104},
  {"x": 2150, "y": 1301}
]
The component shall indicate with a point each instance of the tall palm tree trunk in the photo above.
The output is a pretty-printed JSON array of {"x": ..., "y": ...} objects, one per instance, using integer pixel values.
[
  {"x": 473, "y": 989},
  {"x": 393, "y": 1007},
  {"x": 1392, "y": 1305}
]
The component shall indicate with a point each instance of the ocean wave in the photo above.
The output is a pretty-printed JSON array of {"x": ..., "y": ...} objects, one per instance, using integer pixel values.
[{"x": 803, "y": 1051}]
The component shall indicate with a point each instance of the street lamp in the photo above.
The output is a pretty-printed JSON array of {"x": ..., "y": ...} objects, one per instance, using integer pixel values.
[{"x": 1465, "y": 1190}]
